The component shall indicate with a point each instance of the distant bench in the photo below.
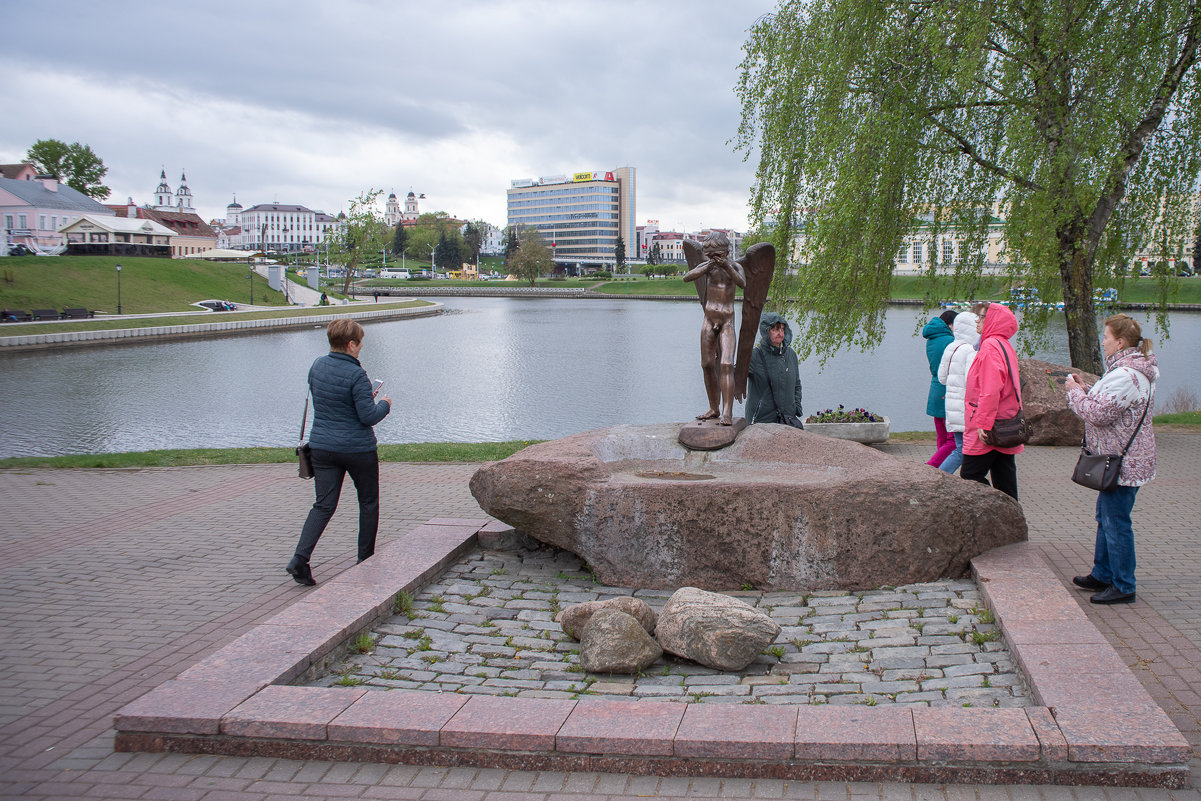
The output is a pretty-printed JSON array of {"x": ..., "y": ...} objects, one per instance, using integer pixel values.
[
  {"x": 77, "y": 313},
  {"x": 15, "y": 316},
  {"x": 45, "y": 314}
]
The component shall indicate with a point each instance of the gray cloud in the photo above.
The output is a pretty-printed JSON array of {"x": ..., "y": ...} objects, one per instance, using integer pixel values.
[{"x": 310, "y": 102}]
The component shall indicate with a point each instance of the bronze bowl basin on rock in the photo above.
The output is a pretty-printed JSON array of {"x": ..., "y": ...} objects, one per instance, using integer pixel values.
[{"x": 780, "y": 509}]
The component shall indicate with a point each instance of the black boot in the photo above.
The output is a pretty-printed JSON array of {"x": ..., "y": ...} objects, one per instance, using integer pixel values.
[
  {"x": 300, "y": 572},
  {"x": 1112, "y": 595},
  {"x": 1087, "y": 582}
]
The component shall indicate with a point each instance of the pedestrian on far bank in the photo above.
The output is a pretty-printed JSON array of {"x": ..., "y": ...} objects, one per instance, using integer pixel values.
[
  {"x": 993, "y": 392},
  {"x": 344, "y": 410},
  {"x": 774, "y": 377},
  {"x": 952, "y": 372},
  {"x": 1117, "y": 412},
  {"x": 376, "y": 294},
  {"x": 938, "y": 335}
]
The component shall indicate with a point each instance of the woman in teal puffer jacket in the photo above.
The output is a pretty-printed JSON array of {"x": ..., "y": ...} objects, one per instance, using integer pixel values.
[
  {"x": 774, "y": 380},
  {"x": 938, "y": 335}
]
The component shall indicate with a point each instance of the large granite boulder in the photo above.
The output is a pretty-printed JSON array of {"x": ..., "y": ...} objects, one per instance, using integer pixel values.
[
  {"x": 714, "y": 630},
  {"x": 780, "y": 509},
  {"x": 614, "y": 642},
  {"x": 574, "y": 618},
  {"x": 1045, "y": 404}
]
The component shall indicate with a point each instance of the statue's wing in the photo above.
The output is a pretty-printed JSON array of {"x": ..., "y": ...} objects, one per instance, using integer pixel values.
[
  {"x": 694, "y": 255},
  {"x": 759, "y": 265}
]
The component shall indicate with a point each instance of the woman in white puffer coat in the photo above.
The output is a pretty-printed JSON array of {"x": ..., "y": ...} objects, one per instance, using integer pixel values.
[{"x": 956, "y": 361}]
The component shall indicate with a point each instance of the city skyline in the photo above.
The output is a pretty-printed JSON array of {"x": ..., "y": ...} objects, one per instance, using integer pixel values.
[{"x": 310, "y": 104}]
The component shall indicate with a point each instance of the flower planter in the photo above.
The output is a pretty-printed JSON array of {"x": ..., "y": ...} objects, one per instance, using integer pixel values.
[{"x": 867, "y": 433}]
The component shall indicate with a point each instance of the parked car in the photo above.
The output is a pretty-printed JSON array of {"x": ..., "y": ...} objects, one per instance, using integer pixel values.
[
  {"x": 19, "y": 250},
  {"x": 219, "y": 305}
]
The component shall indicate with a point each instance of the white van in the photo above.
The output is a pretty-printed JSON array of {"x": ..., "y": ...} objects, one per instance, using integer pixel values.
[{"x": 403, "y": 274}]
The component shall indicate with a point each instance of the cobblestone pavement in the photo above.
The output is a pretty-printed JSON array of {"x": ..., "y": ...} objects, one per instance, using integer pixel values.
[
  {"x": 116, "y": 580},
  {"x": 487, "y": 627}
]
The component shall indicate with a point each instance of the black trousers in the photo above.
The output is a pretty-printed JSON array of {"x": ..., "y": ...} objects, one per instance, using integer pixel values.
[
  {"x": 329, "y": 469},
  {"x": 1002, "y": 466}
]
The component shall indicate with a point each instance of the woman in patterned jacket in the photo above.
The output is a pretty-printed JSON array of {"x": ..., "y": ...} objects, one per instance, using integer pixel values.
[{"x": 1112, "y": 410}]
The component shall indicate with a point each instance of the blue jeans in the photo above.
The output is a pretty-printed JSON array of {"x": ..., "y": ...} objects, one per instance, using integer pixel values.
[
  {"x": 1113, "y": 558},
  {"x": 952, "y": 462}
]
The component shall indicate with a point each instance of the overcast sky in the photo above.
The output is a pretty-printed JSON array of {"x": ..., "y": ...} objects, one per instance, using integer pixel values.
[{"x": 313, "y": 102}]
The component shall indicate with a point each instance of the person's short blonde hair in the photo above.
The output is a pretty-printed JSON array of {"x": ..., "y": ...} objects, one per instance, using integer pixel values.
[{"x": 342, "y": 332}]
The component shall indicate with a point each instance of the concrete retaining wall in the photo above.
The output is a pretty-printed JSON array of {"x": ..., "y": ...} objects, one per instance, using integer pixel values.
[{"x": 158, "y": 333}]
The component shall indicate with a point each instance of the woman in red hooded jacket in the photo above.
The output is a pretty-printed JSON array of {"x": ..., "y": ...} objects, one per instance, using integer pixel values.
[{"x": 993, "y": 391}]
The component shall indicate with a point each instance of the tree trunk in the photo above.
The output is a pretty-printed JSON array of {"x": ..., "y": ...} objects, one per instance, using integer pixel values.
[{"x": 1079, "y": 310}]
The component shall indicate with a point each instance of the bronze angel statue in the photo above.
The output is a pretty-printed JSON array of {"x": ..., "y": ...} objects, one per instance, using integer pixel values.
[{"x": 724, "y": 359}]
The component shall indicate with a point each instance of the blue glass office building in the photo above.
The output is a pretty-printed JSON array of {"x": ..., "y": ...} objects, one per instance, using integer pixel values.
[{"x": 579, "y": 216}]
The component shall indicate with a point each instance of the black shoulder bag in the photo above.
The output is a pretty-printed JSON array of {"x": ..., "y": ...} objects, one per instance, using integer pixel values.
[
  {"x": 1011, "y": 431},
  {"x": 303, "y": 451},
  {"x": 1100, "y": 471}
]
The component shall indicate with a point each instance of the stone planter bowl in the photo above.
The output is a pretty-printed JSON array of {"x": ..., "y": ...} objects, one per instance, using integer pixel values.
[{"x": 867, "y": 433}]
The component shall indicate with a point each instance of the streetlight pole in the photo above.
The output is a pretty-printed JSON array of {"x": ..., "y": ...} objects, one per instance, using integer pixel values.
[
  {"x": 118, "y": 289},
  {"x": 282, "y": 234},
  {"x": 250, "y": 275}
]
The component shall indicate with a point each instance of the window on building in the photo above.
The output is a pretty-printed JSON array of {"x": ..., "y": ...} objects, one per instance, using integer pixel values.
[
  {"x": 23, "y": 220},
  {"x": 8, "y": 221},
  {"x": 42, "y": 222},
  {"x": 903, "y": 256},
  {"x": 948, "y": 251},
  {"x": 917, "y": 252}
]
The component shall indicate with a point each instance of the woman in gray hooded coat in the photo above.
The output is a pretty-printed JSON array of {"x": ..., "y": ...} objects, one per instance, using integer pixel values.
[{"x": 773, "y": 392}]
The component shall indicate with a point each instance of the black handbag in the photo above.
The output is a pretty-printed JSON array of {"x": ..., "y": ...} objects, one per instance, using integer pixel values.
[
  {"x": 1010, "y": 431},
  {"x": 1100, "y": 471},
  {"x": 303, "y": 452}
]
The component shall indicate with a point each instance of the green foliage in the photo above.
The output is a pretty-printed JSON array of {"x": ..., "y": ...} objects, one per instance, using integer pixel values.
[
  {"x": 473, "y": 239},
  {"x": 619, "y": 255},
  {"x": 1074, "y": 130},
  {"x": 75, "y": 164},
  {"x": 363, "y": 643},
  {"x": 532, "y": 258},
  {"x": 366, "y": 234},
  {"x": 403, "y": 604},
  {"x": 399, "y": 238}
]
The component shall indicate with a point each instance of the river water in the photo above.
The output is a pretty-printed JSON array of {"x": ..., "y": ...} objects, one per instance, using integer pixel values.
[{"x": 488, "y": 369}]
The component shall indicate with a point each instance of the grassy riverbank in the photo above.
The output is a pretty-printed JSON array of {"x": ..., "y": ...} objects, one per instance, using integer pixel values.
[
  {"x": 412, "y": 452},
  {"x": 1188, "y": 422},
  {"x": 147, "y": 285}
]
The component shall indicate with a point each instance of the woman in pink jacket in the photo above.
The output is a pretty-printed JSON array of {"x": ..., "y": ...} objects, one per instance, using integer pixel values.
[{"x": 993, "y": 392}]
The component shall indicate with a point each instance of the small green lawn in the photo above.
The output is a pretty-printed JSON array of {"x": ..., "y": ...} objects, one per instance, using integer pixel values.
[{"x": 412, "y": 452}]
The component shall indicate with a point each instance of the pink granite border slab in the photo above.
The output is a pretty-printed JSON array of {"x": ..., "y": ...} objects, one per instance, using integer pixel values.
[
  {"x": 1100, "y": 733},
  {"x": 975, "y": 735},
  {"x": 396, "y": 717},
  {"x": 608, "y": 726},
  {"x": 184, "y": 707},
  {"x": 294, "y": 713},
  {"x": 512, "y": 724},
  {"x": 1050, "y": 738},
  {"x": 1088, "y": 734},
  {"x": 876, "y": 734},
  {"x": 737, "y": 731}
]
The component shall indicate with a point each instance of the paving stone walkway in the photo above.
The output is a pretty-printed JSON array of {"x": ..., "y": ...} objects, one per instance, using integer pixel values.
[
  {"x": 487, "y": 627},
  {"x": 117, "y": 580}
]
